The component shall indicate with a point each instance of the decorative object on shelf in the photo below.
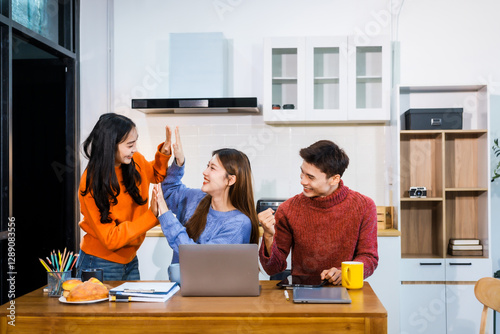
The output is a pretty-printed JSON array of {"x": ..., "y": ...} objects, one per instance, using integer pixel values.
[
  {"x": 288, "y": 106},
  {"x": 385, "y": 216},
  {"x": 276, "y": 106},
  {"x": 418, "y": 192},
  {"x": 496, "y": 152},
  {"x": 434, "y": 118}
]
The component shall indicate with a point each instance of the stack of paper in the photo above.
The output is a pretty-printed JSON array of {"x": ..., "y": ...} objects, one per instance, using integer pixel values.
[
  {"x": 465, "y": 247},
  {"x": 143, "y": 292}
]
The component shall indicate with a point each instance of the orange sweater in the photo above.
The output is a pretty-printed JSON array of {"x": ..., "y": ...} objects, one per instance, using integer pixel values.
[{"x": 119, "y": 240}]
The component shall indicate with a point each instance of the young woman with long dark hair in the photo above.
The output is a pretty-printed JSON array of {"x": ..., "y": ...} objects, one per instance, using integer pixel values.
[
  {"x": 221, "y": 212},
  {"x": 113, "y": 197}
]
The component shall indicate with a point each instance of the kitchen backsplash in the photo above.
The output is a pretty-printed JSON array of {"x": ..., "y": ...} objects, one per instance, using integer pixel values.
[{"x": 272, "y": 150}]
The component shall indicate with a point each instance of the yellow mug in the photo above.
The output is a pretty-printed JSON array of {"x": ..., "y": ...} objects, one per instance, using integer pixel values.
[{"x": 352, "y": 274}]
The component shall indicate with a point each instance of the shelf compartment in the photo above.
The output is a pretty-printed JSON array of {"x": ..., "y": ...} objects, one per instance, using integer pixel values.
[
  {"x": 285, "y": 93},
  {"x": 421, "y": 155},
  {"x": 369, "y": 61},
  {"x": 463, "y": 152},
  {"x": 368, "y": 77},
  {"x": 326, "y": 95},
  {"x": 326, "y": 91},
  {"x": 467, "y": 216},
  {"x": 284, "y": 76},
  {"x": 422, "y": 229}
]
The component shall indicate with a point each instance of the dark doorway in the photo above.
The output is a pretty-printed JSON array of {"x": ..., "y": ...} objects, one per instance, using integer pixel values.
[{"x": 43, "y": 161}]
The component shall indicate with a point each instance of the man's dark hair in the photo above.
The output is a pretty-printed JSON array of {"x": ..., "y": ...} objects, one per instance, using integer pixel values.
[{"x": 327, "y": 157}]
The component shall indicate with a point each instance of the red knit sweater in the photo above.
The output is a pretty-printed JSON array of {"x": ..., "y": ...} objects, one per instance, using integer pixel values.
[{"x": 323, "y": 232}]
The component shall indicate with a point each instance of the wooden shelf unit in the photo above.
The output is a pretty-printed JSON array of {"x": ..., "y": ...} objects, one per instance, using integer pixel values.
[{"x": 452, "y": 165}]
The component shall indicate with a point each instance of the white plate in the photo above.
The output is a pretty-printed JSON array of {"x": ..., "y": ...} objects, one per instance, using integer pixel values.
[{"x": 62, "y": 299}]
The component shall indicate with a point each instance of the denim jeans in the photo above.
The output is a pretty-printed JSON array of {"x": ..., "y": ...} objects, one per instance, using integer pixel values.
[{"x": 112, "y": 271}]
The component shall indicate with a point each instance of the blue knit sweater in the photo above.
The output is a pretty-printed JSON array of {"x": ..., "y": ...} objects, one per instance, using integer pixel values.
[{"x": 232, "y": 227}]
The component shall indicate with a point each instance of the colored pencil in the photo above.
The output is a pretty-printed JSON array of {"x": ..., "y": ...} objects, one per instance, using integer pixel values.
[
  {"x": 63, "y": 259},
  {"x": 74, "y": 261},
  {"x": 50, "y": 263},
  {"x": 45, "y": 265},
  {"x": 68, "y": 262},
  {"x": 59, "y": 264},
  {"x": 53, "y": 262}
]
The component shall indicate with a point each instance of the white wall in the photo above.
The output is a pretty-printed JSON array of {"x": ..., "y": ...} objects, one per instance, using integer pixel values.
[
  {"x": 455, "y": 42},
  {"x": 141, "y": 70}
]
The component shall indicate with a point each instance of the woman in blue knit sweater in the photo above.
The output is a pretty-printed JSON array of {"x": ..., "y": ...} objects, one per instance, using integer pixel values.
[{"x": 221, "y": 212}]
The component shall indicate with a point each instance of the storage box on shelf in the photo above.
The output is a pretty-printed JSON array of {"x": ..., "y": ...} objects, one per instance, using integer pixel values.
[
  {"x": 453, "y": 166},
  {"x": 326, "y": 79}
]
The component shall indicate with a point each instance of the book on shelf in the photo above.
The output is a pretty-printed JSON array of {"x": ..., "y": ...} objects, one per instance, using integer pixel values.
[
  {"x": 464, "y": 241},
  {"x": 466, "y": 252},
  {"x": 466, "y": 247}
]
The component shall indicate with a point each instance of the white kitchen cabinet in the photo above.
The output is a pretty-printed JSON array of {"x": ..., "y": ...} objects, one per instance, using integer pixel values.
[
  {"x": 326, "y": 79},
  {"x": 439, "y": 308},
  {"x": 369, "y": 79},
  {"x": 463, "y": 310},
  {"x": 423, "y": 309},
  {"x": 284, "y": 83},
  {"x": 386, "y": 277}
]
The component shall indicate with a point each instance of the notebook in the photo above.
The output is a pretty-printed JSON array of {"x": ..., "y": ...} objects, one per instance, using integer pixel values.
[
  {"x": 219, "y": 270},
  {"x": 331, "y": 295}
]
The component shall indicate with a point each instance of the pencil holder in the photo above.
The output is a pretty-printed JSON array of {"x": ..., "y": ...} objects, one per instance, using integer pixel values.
[{"x": 55, "y": 280}]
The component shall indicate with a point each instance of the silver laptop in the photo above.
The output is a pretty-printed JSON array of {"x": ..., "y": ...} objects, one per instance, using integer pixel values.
[
  {"x": 219, "y": 270},
  {"x": 324, "y": 295}
]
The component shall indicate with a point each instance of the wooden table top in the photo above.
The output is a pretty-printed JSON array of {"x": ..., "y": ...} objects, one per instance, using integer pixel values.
[{"x": 365, "y": 303}]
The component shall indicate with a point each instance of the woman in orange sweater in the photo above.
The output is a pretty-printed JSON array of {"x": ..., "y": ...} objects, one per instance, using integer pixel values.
[{"x": 113, "y": 197}]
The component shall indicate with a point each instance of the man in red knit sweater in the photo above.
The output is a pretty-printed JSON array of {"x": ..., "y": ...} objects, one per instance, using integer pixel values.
[{"x": 326, "y": 224}]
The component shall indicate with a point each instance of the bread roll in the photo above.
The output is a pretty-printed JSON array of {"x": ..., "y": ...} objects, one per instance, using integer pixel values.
[
  {"x": 87, "y": 291},
  {"x": 94, "y": 280},
  {"x": 70, "y": 284}
]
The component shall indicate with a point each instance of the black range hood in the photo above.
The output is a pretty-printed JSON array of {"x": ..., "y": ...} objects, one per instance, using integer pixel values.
[{"x": 197, "y": 105}]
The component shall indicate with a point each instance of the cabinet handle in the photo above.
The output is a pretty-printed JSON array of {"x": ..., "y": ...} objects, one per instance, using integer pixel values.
[
  {"x": 461, "y": 264},
  {"x": 430, "y": 263}
]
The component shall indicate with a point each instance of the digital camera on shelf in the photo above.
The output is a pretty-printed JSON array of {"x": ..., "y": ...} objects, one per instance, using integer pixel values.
[{"x": 418, "y": 192}]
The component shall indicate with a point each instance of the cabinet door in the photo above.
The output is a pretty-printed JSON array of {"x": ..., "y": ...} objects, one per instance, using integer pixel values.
[
  {"x": 326, "y": 78},
  {"x": 463, "y": 312},
  {"x": 284, "y": 60},
  {"x": 423, "y": 308},
  {"x": 369, "y": 78},
  {"x": 466, "y": 269},
  {"x": 423, "y": 270}
]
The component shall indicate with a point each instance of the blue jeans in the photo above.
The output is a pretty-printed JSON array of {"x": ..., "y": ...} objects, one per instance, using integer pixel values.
[{"x": 112, "y": 271}]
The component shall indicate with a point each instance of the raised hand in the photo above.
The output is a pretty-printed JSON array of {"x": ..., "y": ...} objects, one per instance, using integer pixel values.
[
  {"x": 166, "y": 148},
  {"x": 159, "y": 199},
  {"x": 177, "y": 146},
  {"x": 266, "y": 219},
  {"x": 153, "y": 204}
]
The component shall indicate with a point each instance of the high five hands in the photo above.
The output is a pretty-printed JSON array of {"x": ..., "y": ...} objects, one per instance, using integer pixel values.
[
  {"x": 158, "y": 205},
  {"x": 166, "y": 148},
  {"x": 177, "y": 146}
]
